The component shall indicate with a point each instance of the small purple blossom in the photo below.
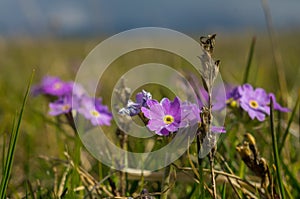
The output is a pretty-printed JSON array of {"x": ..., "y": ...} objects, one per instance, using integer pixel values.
[
  {"x": 218, "y": 100},
  {"x": 93, "y": 110},
  {"x": 164, "y": 117},
  {"x": 53, "y": 86},
  {"x": 190, "y": 114},
  {"x": 134, "y": 108},
  {"x": 61, "y": 106},
  {"x": 255, "y": 102},
  {"x": 232, "y": 95}
]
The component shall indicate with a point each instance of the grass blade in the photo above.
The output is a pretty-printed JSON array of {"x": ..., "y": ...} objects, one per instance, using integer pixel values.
[
  {"x": 292, "y": 178},
  {"x": 250, "y": 56},
  {"x": 288, "y": 126},
  {"x": 12, "y": 145},
  {"x": 275, "y": 150},
  {"x": 224, "y": 191}
]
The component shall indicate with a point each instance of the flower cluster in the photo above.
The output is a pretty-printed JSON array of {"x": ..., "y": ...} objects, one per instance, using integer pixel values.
[
  {"x": 166, "y": 116},
  {"x": 256, "y": 102},
  {"x": 70, "y": 97}
]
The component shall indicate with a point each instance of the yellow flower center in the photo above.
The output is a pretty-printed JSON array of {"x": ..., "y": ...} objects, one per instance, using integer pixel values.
[
  {"x": 95, "y": 113},
  {"x": 253, "y": 104},
  {"x": 57, "y": 86},
  {"x": 66, "y": 107},
  {"x": 231, "y": 102},
  {"x": 168, "y": 119}
]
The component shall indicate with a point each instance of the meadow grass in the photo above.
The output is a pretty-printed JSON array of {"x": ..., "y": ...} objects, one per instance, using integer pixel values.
[{"x": 50, "y": 162}]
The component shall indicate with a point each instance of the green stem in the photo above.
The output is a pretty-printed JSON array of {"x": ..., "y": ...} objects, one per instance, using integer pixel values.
[
  {"x": 212, "y": 172},
  {"x": 275, "y": 151},
  {"x": 200, "y": 168},
  {"x": 166, "y": 182}
]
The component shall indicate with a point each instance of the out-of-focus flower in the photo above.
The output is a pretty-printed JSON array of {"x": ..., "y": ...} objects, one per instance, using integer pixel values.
[
  {"x": 278, "y": 106},
  {"x": 61, "y": 106},
  {"x": 93, "y": 110},
  {"x": 232, "y": 95},
  {"x": 53, "y": 86},
  {"x": 218, "y": 101},
  {"x": 72, "y": 97},
  {"x": 164, "y": 117},
  {"x": 190, "y": 114},
  {"x": 255, "y": 102},
  {"x": 134, "y": 108}
]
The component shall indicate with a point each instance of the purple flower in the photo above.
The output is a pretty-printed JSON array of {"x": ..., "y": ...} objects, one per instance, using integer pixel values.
[
  {"x": 218, "y": 100},
  {"x": 276, "y": 105},
  {"x": 134, "y": 108},
  {"x": 93, "y": 110},
  {"x": 164, "y": 117},
  {"x": 232, "y": 95},
  {"x": 255, "y": 102},
  {"x": 53, "y": 86},
  {"x": 60, "y": 106},
  {"x": 77, "y": 90},
  {"x": 190, "y": 114}
]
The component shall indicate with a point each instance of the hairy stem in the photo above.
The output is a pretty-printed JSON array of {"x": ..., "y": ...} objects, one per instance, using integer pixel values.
[
  {"x": 166, "y": 183},
  {"x": 200, "y": 167},
  {"x": 124, "y": 145}
]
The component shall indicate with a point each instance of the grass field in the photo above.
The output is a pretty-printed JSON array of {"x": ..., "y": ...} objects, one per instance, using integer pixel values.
[{"x": 46, "y": 145}]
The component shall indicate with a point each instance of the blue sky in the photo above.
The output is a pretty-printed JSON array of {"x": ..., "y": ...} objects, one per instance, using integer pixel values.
[{"x": 94, "y": 17}]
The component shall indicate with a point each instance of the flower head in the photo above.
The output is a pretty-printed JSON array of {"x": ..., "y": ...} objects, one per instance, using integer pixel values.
[
  {"x": 134, "y": 108},
  {"x": 190, "y": 114},
  {"x": 93, "y": 110},
  {"x": 232, "y": 95},
  {"x": 164, "y": 117},
  {"x": 255, "y": 102},
  {"x": 53, "y": 86},
  {"x": 61, "y": 106}
]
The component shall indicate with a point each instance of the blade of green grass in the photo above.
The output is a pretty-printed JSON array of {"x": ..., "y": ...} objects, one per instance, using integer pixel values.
[
  {"x": 224, "y": 191},
  {"x": 250, "y": 56},
  {"x": 12, "y": 144},
  {"x": 29, "y": 186},
  {"x": 293, "y": 181},
  {"x": 275, "y": 150},
  {"x": 3, "y": 154},
  {"x": 288, "y": 126}
]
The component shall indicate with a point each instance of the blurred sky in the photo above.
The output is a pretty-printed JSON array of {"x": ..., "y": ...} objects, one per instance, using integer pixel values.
[{"x": 98, "y": 17}]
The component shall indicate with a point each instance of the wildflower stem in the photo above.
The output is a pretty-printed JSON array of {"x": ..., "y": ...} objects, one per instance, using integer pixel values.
[
  {"x": 166, "y": 182},
  {"x": 123, "y": 144},
  {"x": 275, "y": 150},
  {"x": 200, "y": 167},
  {"x": 212, "y": 172},
  {"x": 214, "y": 148}
]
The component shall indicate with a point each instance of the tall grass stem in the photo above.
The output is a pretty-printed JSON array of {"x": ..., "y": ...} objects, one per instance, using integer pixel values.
[
  {"x": 275, "y": 150},
  {"x": 12, "y": 144}
]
